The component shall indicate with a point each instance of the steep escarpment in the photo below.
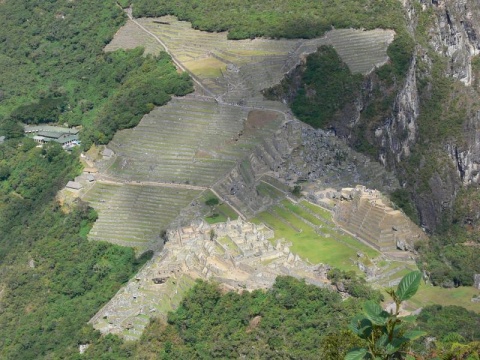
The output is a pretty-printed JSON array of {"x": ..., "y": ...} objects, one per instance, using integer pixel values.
[
  {"x": 417, "y": 115},
  {"x": 298, "y": 153},
  {"x": 446, "y": 153}
]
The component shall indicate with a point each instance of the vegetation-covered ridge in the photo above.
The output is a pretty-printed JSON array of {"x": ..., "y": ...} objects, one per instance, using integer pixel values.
[
  {"x": 291, "y": 320},
  {"x": 276, "y": 19},
  {"x": 291, "y": 19},
  {"x": 298, "y": 321},
  {"x": 53, "y": 279},
  {"x": 53, "y": 69},
  {"x": 326, "y": 86}
]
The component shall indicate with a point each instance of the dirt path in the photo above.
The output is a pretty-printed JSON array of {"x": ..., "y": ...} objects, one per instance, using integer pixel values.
[{"x": 113, "y": 181}]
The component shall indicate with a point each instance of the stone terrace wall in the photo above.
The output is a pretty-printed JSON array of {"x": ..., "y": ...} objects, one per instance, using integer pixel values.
[{"x": 364, "y": 213}]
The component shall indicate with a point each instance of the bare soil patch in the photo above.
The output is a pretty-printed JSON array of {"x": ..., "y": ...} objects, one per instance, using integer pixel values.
[{"x": 259, "y": 118}]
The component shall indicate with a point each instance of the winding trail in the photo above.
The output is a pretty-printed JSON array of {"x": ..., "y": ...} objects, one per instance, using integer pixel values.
[{"x": 167, "y": 50}]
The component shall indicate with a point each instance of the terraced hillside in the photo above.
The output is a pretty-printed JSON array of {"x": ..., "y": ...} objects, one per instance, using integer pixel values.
[
  {"x": 197, "y": 140},
  {"x": 238, "y": 70},
  {"x": 186, "y": 141},
  {"x": 132, "y": 36},
  {"x": 134, "y": 215},
  {"x": 313, "y": 234}
]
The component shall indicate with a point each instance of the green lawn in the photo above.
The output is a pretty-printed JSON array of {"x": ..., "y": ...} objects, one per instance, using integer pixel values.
[
  {"x": 215, "y": 218},
  {"x": 218, "y": 213},
  {"x": 299, "y": 211},
  {"x": 429, "y": 295},
  {"x": 307, "y": 243},
  {"x": 267, "y": 190},
  {"x": 317, "y": 210},
  {"x": 320, "y": 249},
  {"x": 230, "y": 245}
]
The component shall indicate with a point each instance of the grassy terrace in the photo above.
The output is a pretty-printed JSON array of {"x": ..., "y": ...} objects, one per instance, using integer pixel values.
[
  {"x": 132, "y": 215},
  {"x": 293, "y": 222},
  {"x": 429, "y": 295},
  {"x": 265, "y": 189},
  {"x": 131, "y": 36},
  {"x": 318, "y": 248},
  {"x": 230, "y": 245}
]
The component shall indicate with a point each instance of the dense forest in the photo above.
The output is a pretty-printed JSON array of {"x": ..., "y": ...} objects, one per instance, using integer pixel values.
[
  {"x": 276, "y": 19},
  {"x": 52, "y": 69},
  {"x": 292, "y": 320},
  {"x": 53, "y": 279}
]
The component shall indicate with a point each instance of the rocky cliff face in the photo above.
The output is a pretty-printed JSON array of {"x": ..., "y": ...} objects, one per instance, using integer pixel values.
[
  {"x": 399, "y": 132},
  {"x": 387, "y": 120},
  {"x": 453, "y": 34},
  {"x": 456, "y": 34}
]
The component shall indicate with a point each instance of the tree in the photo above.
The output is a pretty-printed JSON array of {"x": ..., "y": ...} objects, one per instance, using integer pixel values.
[
  {"x": 387, "y": 334},
  {"x": 212, "y": 202},
  {"x": 11, "y": 129}
]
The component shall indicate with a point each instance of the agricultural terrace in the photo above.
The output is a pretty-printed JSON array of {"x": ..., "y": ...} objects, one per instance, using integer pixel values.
[
  {"x": 131, "y": 36},
  {"x": 188, "y": 141},
  {"x": 239, "y": 69},
  {"x": 134, "y": 215},
  {"x": 197, "y": 139}
]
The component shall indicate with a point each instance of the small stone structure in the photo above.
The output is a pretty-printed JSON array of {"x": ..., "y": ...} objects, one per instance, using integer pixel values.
[
  {"x": 237, "y": 254},
  {"x": 476, "y": 281},
  {"x": 107, "y": 153},
  {"x": 73, "y": 185},
  {"x": 365, "y": 213}
]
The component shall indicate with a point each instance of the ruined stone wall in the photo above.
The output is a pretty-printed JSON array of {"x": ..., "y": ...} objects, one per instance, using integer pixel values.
[{"x": 236, "y": 253}]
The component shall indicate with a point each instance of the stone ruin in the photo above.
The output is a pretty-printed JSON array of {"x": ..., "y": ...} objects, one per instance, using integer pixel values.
[
  {"x": 367, "y": 215},
  {"x": 237, "y": 254},
  {"x": 476, "y": 281},
  {"x": 298, "y": 153}
]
